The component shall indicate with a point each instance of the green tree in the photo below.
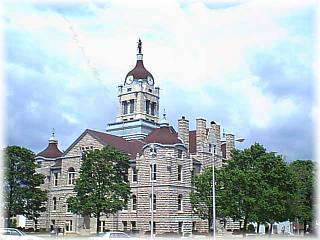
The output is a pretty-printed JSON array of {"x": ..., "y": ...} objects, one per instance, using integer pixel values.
[
  {"x": 102, "y": 187},
  {"x": 254, "y": 186},
  {"x": 276, "y": 189},
  {"x": 201, "y": 196},
  {"x": 303, "y": 175},
  {"x": 23, "y": 195},
  {"x": 241, "y": 185}
]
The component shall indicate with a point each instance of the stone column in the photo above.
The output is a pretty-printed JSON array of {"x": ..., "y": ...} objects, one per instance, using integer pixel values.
[
  {"x": 229, "y": 145},
  {"x": 200, "y": 134},
  {"x": 217, "y": 134},
  {"x": 183, "y": 130}
]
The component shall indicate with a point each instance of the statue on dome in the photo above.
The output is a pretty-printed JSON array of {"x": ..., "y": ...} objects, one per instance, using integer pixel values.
[{"x": 139, "y": 46}]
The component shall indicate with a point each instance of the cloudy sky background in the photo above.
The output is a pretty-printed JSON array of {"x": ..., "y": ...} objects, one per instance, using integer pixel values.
[{"x": 244, "y": 64}]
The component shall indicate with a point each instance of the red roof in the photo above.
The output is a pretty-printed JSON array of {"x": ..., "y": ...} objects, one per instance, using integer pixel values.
[
  {"x": 163, "y": 135},
  {"x": 139, "y": 71},
  {"x": 130, "y": 147},
  {"x": 192, "y": 141},
  {"x": 52, "y": 151},
  {"x": 223, "y": 149}
]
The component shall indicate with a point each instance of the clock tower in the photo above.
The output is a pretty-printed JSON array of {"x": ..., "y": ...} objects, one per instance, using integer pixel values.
[{"x": 138, "y": 108}]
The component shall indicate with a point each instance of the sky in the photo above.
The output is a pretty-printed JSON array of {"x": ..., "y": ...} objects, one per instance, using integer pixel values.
[{"x": 247, "y": 65}]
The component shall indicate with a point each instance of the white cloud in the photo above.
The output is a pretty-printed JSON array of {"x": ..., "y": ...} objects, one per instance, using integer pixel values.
[{"x": 187, "y": 45}]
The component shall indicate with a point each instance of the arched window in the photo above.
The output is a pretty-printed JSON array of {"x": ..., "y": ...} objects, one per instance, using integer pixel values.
[
  {"x": 180, "y": 202},
  {"x": 54, "y": 200},
  {"x": 154, "y": 202},
  {"x": 134, "y": 202},
  {"x": 71, "y": 176}
]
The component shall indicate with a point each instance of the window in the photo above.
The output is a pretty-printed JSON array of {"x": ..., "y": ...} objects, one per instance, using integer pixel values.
[
  {"x": 147, "y": 106},
  {"x": 154, "y": 227},
  {"x": 125, "y": 225},
  {"x": 71, "y": 176},
  {"x": 131, "y": 106},
  {"x": 179, "y": 153},
  {"x": 125, "y": 176},
  {"x": 154, "y": 202},
  {"x": 129, "y": 89},
  {"x": 54, "y": 200},
  {"x": 133, "y": 225},
  {"x": 180, "y": 173},
  {"x": 56, "y": 175},
  {"x": 134, "y": 202},
  {"x": 179, "y": 202},
  {"x": 125, "y": 208},
  {"x": 194, "y": 227},
  {"x": 180, "y": 227},
  {"x": 150, "y": 90},
  {"x": 69, "y": 227},
  {"x": 153, "y": 108},
  {"x": 53, "y": 223},
  {"x": 125, "y": 107},
  {"x": 153, "y": 172},
  {"x": 102, "y": 226},
  {"x": 134, "y": 174},
  {"x": 67, "y": 208},
  {"x": 214, "y": 148},
  {"x": 210, "y": 147}
]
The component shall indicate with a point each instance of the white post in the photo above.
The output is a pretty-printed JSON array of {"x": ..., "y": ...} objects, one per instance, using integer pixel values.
[
  {"x": 152, "y": 192},
  {"x": 153, "y": 155},
  {"x": 213, "y": 205}
]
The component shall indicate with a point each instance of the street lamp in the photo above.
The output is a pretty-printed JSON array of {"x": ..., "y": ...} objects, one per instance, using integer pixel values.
[{"x": 153, "y": 162}]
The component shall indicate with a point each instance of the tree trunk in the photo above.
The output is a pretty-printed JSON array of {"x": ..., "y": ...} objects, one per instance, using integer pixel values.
[
  {"x": 271, "y": 227},
  {"x": 209, "y": 224},
  {"x": 258, "y": 227},
  {"x": 98, "y": 223},
  {"x": 304, "y": 227},
  {"x": 245, "y": 222},
  {"x": 224, "y": 223}
]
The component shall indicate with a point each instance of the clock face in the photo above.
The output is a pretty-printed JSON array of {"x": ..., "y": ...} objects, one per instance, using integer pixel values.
[
  {"x": 150, "y": 80},
  {"x": 129, "y": 79}
]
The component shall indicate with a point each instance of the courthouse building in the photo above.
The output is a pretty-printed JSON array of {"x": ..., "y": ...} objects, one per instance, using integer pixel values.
[{"x": 177, "y": 154}]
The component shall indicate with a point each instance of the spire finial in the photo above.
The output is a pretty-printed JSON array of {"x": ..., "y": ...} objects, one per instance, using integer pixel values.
[
  {"x": 139, "y": 46},
  {"x": 164, "y": 122},
  {"x": 53, "y": 138},
  {"x": 164, "y": 114}
]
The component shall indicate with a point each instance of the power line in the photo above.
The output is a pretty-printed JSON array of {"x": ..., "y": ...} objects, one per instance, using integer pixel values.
[{"x": 75, "y": 37}]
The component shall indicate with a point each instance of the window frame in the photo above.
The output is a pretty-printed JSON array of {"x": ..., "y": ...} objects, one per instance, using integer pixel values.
[
  {"x": 154, "y": 203},
  {"x": 54, "y": 204},
  {"x": 153, "y": 172},
  {"x": 134, "y": 203},
  {"x": 180, "y": 173},
  {"x": 134, "y": 172},
  {"x": 69, "y": 226},
  {"x": 71, "y": 176},
  {"x": 180, "y": 203}
]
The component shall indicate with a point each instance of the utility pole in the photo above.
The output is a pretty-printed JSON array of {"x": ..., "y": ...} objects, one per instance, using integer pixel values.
[
  {"x": 213, "y": 204},
  {"x": 153, "y": 162}
]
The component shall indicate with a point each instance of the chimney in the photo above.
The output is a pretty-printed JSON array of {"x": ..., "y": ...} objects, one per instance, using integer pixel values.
[
  {"x": 217, "y": 135},
  {"x": 183, "y": 130},
  {"x": 229, "y": 145},
  {"x": 201, "y": 132}
]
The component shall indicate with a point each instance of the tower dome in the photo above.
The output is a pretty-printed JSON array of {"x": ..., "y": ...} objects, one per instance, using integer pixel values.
[
  {"x": 52, "y": 150},
  {"x": 139, "y": 71}
]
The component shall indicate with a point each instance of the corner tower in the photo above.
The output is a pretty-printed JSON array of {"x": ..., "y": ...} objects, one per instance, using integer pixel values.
[{"x": 138, "y": 109}]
